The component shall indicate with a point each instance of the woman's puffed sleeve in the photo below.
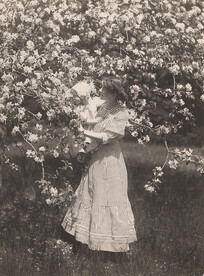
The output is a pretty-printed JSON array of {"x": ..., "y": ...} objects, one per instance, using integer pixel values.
[{"x": 115, "y": 130}]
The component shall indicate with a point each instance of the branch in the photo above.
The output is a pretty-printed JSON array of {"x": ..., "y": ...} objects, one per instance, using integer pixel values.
[
  {"x": 124, "y": 50},
  {"x": 28, "y": 142},
  {"x": 167, "y": 146},
  {"x": 44, "y": 87},
  {"x": 167, "y": 156},
  {"x": 30, "y": 95},
  {"x": 21, "y": 73},
  {"x": 174, "y": 86},
  {"x": 43, "y": 170},
  {"x": 42, "y": 164},
  {"x": 33, "y": 114},
  {"x": 120, "y": 51},
  {"x": 127, "y": 35},
  {"x": 145, "y": 127}
]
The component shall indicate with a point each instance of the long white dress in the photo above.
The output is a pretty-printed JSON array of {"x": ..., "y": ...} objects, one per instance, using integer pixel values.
[{"x": 100, "y": 214}]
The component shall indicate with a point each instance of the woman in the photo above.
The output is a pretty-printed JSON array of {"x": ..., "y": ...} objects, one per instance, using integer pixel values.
[{"x": 100, "y": 214}]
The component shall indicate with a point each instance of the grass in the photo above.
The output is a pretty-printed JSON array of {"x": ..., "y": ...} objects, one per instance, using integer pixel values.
[{"x": 169, "y": 225}]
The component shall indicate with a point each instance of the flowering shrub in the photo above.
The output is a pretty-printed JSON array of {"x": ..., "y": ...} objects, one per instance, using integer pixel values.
[
  {"x": 173, "y": 158},
  {"x": 49, "y": 46}
]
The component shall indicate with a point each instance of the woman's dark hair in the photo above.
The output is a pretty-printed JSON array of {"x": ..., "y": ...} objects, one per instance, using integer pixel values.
[{"x": 116, "y": 85}]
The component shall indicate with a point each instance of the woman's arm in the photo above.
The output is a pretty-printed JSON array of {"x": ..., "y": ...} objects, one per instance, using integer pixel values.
[
  {"x": 104, "y": 137},
  {"x": 95, "y": 135}
]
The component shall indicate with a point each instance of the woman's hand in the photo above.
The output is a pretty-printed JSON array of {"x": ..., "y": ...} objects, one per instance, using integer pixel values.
[{"x": 95, "y": 135}]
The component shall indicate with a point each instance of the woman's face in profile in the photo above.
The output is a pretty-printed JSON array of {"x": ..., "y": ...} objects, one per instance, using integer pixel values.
[{"x": 106, "y": 95}]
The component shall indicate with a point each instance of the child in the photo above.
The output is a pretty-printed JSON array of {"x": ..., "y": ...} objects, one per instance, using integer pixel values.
[{"x": 87, "y": 111}]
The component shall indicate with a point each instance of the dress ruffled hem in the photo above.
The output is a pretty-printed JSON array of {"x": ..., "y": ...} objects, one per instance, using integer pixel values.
[
  {"x": 99, "y": 240},
  {"x": 102, "y": 244}
]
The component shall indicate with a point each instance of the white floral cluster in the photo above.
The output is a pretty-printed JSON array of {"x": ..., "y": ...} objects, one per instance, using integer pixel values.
[
  {"x": 177, "y": 156},
  {"x": 152, "y": 186},
  {"x": 53, "y": 195},
  {"x": 12, "y": 165},
  {"x": 64, "y": 247},
  {"x": 188, "y": 157},
  {"x": 47, "y": 50}
]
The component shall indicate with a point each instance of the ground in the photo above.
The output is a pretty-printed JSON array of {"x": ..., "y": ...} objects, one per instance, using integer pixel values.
[{"x": 169, "y": 225}]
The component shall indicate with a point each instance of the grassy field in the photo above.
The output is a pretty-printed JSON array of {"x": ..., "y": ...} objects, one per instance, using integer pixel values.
[{"x": 170, "y": 225}]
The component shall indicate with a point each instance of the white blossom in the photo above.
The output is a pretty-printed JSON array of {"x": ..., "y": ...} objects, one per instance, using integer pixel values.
[
  {"x": 140, "y": 17},
  {"x": 55, "y": 153},
  {"x": 120, "y": 40},
  {"x": 2, "y": 106},
  {"x": 180, "y": 26},
  {"x": 30, "y": 153},
  {"x": 27, "y": 69},
  {"x": 91, "y": 34},
  {"x": 53, "y": 191},
  {"x": 30, "y": 45},
  {"x": 188, "y": 152},
  {"x": 201, "y": 41},
  {"x": 146, "y": 39},
  {"x": 57, "y": 16},
  {"x": 66, "y": 149},
  {"x": 48, "y": 201},
  {"x": 200, "y": 26},
  {"x": 31, "y": 59},
  {"x": 103, "y": 40},
  {"x": 104, "y": 14},
  {"x": 33, "y": 137},
  {"x": 202, "y": 97},
  {"x": 3, "y": 118},
  {"x": 7, "y": 77},
  {"x": 174, "y": 69},
  {"x": 149, "y": 188},
  {"x": 135, "y": 51},
  {"x": 189, "y": 30},
  {"x": 39, "y": 127},
  {"x": 173, "y": 164},
  {"x": 140, "y": 141},
  {"x": 67, "y": 109},
  {"x": 15, "y": 130},
  {"x": 55, "y": 54},
  {"x": 153, "y": 60},
  {"x": 195, "y": 65},
  {"x": 39, "y": 115},
  {"x": 98, "y": 52},
  {"x": 39, "y": 159},
  {"x": 181, "y": 102},
  {"x": 42, "y": 149},
  {"x": 21, "y": 113},
  {"x": 146, "y": 138},
  {"x": 74, "y": 39},
  {"x": 50, "y": 114}
]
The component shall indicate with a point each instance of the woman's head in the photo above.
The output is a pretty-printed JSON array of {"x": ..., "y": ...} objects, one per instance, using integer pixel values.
[{"x": 113, "y": 89}]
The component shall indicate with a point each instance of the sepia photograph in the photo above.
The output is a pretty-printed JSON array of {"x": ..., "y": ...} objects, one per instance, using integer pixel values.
[{"x": 101, "y": 138}]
